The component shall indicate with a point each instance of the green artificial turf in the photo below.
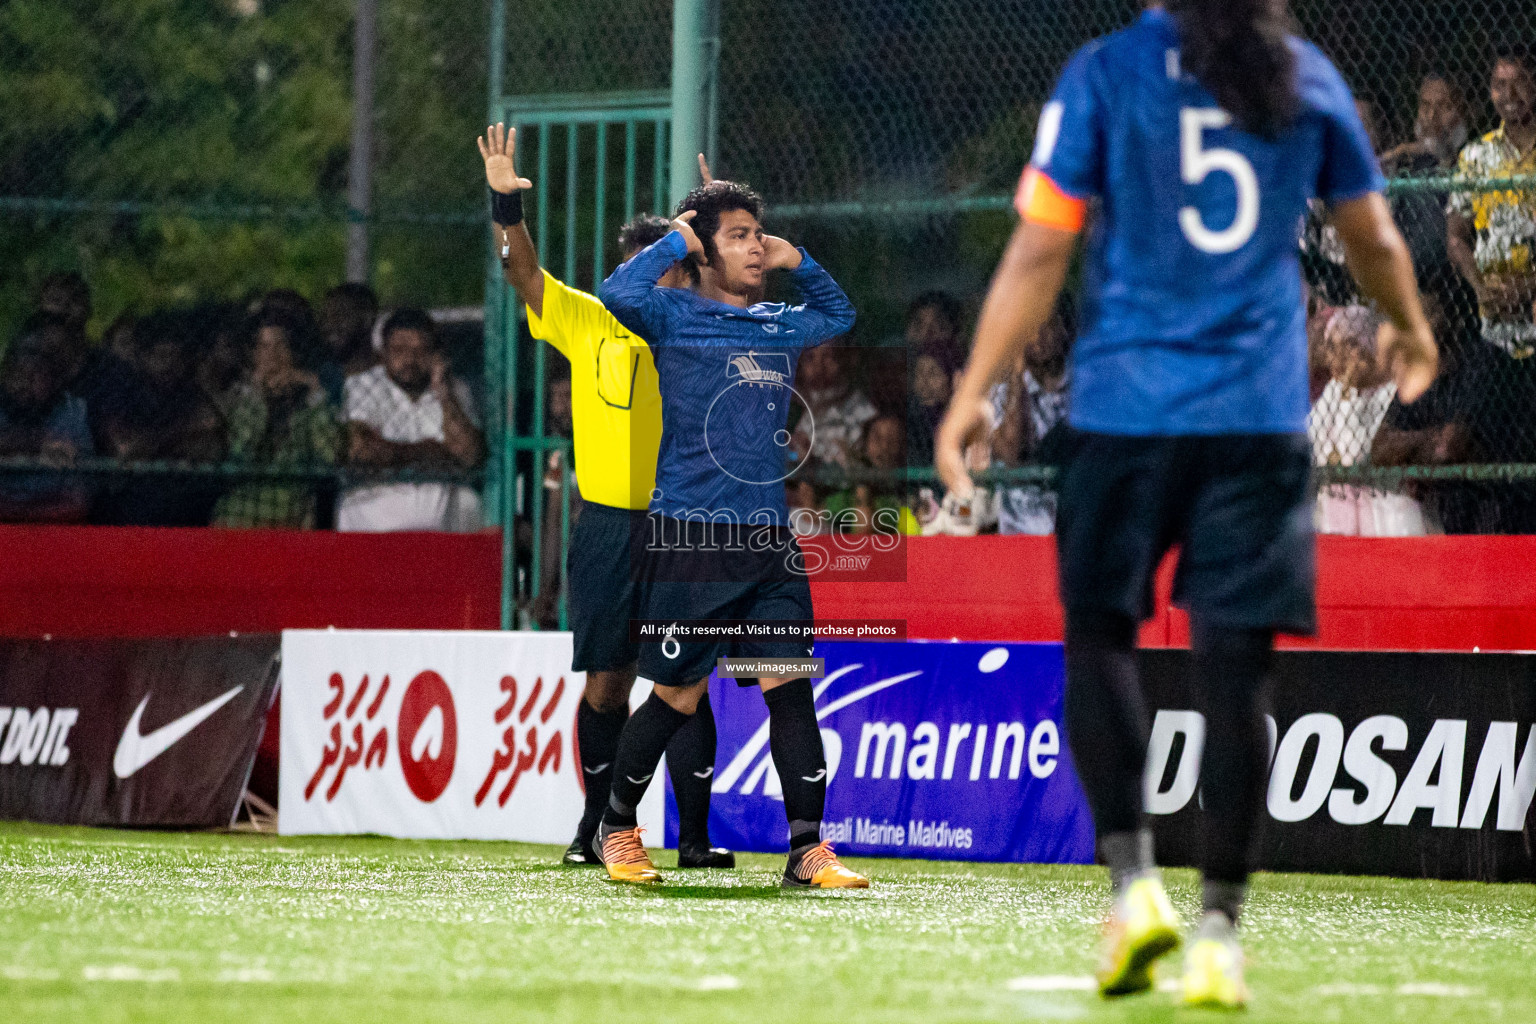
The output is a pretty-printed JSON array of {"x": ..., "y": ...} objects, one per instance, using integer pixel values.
[{"x": 138, "y": 926}]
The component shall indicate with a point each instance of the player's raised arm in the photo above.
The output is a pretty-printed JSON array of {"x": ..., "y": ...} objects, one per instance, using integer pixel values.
[
  {"x": 827, "y": 313},
  {"x": 1379, "y": 259},
  {"x": 519, "y": 259},
  {"x": 1020, "y": 301},
  {"x": 632, "y": 292}
]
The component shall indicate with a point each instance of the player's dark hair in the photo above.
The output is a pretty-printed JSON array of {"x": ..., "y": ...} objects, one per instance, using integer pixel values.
[
  {"x": 711, "y": 201},
  {"x": 1240, "y": 50},
  {"x": 642, "y": 232},
  {"x": 411, "y": 319}
]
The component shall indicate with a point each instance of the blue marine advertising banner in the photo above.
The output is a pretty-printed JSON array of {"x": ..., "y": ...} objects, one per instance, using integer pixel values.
[{"x": 934, "y": 750}]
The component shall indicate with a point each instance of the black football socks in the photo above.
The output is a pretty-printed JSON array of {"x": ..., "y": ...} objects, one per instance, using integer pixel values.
[
  {"x": 597, "y": 737},
  {"x": 691, "y": 763},
  {"x": 1232, "y": 678},
  {"x": 795, "y": 740},
  {"x": 1107, "y": 731},
  {"x": 641, "y": 744}
]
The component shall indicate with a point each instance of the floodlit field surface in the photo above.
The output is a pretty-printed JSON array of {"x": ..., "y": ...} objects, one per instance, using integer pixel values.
[{"x": 136, "y": 926}]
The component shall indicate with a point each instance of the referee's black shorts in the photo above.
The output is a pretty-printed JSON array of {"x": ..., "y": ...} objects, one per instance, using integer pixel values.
[
  {"x": 1239, "y": 507},
  {"x": 604, "y": 586}
]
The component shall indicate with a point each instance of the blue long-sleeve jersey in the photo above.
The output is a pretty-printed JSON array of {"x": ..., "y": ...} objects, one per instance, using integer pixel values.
[{"x": 727, "y": 376}]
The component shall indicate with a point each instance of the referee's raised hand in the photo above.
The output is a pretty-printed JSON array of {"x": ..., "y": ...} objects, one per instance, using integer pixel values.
[{"x": 497, "y": 146}]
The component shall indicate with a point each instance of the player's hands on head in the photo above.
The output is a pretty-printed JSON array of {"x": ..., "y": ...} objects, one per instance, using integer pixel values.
[
  {"x": 965, "y": 424},
  {"x": 497, "y": 147},
  {"x": 683, "y": 225},
  {"x": 779, "y": 254}
]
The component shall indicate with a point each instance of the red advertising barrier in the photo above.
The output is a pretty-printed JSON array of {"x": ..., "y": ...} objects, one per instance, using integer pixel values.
[
  {"x": 1424, "y": 593},
  {"x": 1403, "y": 594},
  {"x": 91, "y": 581}
]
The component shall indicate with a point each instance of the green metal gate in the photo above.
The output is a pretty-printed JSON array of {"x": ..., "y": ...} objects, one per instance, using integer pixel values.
[{"x": 595, "y": 160}]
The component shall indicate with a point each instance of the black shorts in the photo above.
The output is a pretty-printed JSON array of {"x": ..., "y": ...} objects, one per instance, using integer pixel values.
[
  {"x": 699, "y": 571},
  {"x": 1238, "y": 506},
  {"x": 605, "y": 592}
]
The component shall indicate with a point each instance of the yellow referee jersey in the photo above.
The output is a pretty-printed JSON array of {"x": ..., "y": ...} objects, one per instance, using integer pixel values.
[{"x": 615, "y": 396}]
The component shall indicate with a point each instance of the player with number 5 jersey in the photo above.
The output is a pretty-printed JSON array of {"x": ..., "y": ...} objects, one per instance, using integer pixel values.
[{"x": 1186, "y": 148}]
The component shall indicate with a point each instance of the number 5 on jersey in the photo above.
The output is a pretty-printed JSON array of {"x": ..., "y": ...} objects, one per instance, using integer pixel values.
[{"x": 1196, "y": 163}]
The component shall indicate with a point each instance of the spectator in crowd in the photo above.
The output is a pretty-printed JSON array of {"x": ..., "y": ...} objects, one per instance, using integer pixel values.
[
  {"x": 804, "y": 502},
  {"x": 558, "y": 420},
  {"x": 157, "y": 413},
  {"x": 1493, "y": 244},
  {"x": 39, "y": 419},
  {"x": 933, "y": 370},
  {"x": 1442, "y": 427},
  {"x": 934, "y": 323},
  {"x": 1322, "y": 251},
  {"x": 409, "y": 412},
  {"x": 347, "y": 316},
  {"x": 117, "y": 341},
  {"x": 68, "y": 297},
  {"x": 1439, "y": 132},
  {"x": 63, "y": 309},
  {"x": 875, "y": 505},
  {"x": 835, "y": 413},
  {"x": 886, "y": 378},
  {"x": 223, "y": 369},
  {"x": 1029, "y": 408},
  {"x": 1370, "y": 117},
  {"x": 295, "y": 307},
  {"x": 115, "y": 355},
  {"x": 279, "y": 418},
  {"x": 1342, "y": 426}
]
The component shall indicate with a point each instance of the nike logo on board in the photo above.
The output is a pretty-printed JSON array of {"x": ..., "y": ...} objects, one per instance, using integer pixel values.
[{"x": 136, "y": 749}]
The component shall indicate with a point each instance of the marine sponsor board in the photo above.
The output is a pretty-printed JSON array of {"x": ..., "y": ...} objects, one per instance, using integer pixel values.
[
  {"x": 1413, "y": 764},
  {"x": 433, "y": 735},
  {"x": 934, "y": 750},
  {"x": 1401, "y": 764},
  {"x": 144, "y": 732}
]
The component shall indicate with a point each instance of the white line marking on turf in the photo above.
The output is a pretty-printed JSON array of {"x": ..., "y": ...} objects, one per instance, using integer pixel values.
[
  {"x": 15, "y": 972},
  {"x": 1435, "y": 988},
  {"x": 1052, "y": 983},
  {"x": 1344, "y": 988},
  {"x": 127, "y": 972},
  {"x": 248, "y": 974},
  {"x": 718, "y": 983}
]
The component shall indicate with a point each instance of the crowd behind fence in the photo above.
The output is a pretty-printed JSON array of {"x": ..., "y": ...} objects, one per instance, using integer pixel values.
[{"x": 191, "y": 381}]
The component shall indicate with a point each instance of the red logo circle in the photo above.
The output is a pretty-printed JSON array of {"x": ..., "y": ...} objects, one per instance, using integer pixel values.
[{"x": 426, "y": 757}]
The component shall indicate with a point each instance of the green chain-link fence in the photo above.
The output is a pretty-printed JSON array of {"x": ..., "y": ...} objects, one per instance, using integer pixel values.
[{"x": 179, "y": 153}]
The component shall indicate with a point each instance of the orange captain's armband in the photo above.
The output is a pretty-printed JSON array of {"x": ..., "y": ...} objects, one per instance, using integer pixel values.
[{"x": 1041, "y": 201}]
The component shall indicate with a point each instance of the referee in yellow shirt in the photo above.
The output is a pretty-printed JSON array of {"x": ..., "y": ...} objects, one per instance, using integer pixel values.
[{"x": 616, "y": 417}]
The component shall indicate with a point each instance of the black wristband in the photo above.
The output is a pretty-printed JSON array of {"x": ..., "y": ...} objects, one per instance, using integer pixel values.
[{"x": 507, "y": 207}]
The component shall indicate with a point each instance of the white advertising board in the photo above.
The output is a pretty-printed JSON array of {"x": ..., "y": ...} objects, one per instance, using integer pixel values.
[{"x": 434, "y": 735}]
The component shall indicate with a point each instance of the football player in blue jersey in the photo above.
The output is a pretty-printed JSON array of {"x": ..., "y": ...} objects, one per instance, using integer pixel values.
[
  {"x": 718, "y": 544},
  {"x": 1198, "y": 134}
]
